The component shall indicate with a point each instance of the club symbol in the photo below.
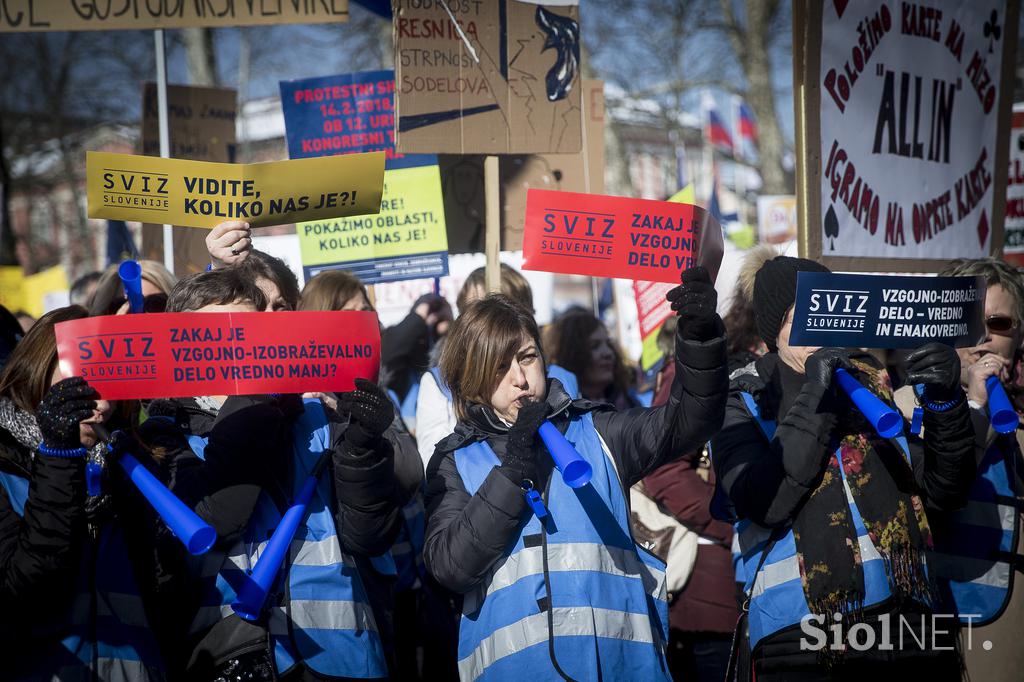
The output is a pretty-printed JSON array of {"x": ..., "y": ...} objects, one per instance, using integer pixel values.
[
  {"x": 992, "y": 29},
  {"x": 831, "y": 228}
]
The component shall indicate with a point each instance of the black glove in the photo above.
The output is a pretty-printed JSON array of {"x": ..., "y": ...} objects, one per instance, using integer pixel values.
[
  {"x": 521, "y": 453},
  {"x": 370, "y": 412},
  {"x": 695, "y": 301},
  {"x": 120, "y": 443},
  {"x": 937, "y": 366},
  {"x": 67, "y": 403},
  {"x": 822, "y": 365}
]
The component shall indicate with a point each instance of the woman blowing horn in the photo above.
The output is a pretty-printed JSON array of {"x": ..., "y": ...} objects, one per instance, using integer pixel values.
[
  {"x": 833, "y": 525},
  {"x": 558, "y": 587}
]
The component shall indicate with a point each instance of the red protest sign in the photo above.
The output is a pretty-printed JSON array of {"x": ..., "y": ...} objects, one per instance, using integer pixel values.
[
  {"x": 602, "y": 236},
  {"x": 171, "y": 355}
]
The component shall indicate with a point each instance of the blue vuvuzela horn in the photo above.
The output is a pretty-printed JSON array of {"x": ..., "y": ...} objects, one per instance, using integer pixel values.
[{"x": 887, "y": 422}]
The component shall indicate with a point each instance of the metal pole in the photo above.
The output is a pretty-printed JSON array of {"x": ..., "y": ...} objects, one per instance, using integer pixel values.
[{"x": 165, "y": 138}]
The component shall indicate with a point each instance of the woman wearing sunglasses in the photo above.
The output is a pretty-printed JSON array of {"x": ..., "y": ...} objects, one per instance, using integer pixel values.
[{"x": 977, "y": 548}]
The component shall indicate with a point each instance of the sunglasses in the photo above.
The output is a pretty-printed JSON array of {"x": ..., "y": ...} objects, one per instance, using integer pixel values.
[{"x": 1000, "y": 324}]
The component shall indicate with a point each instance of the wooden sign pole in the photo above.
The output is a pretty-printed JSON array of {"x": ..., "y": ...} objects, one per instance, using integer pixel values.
[{"x": 492, "y": 241}]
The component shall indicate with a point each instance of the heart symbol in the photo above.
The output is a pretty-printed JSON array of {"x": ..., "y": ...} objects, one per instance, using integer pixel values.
[
  {"x": 983, "y": 229},
  {"x": 840, "y": 6}
]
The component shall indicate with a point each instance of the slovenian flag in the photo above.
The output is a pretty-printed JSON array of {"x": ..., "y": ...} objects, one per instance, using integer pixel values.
[
  {"x": 748, "y": 126},
  {"x": 717, "y": 133}
]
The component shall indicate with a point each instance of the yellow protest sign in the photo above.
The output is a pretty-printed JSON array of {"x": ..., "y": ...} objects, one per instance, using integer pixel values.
[
  {"x": 102, "y": 15},
  {"x": 11, "y": 280},
  {"x": 203, "y": 194},
  {"x": 37, "y": 288},
  {"x": 406, "y": 238},
  {"x": 684, "y": 196},
  {"x": 650, "y": 354}
]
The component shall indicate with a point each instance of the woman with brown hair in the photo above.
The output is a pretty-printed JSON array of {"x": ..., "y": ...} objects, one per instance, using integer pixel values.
[
  {"x": 335, "y": 290},
  {"x": 553, "y": 583},
  {"x": 580, "y": 343},
  {"x": 59, "y": 562}
]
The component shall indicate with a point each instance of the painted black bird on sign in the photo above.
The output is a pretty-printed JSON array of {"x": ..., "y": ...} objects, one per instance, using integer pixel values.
[
  {"x": 992, "y": 29},
  {"x": 831, "y": 228}
]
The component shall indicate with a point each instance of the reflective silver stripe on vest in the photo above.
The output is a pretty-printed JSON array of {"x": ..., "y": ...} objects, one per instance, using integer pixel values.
[
  {"x": 577, "y": 556},
  {"x": 326, "y": 552},
  {"x": 117, "y": 670},
  {"x": 969, "y": 570},
  {"x": 207, "y": 616},
  {"x": 126, "y": 608},
  {"x": 107, "y": 670},
  {"x": 773, "y": 575},
  {"x": 567, "y": 622},
  {"x": 312, "y": 614},
  {"x": 980, "y": 514}
]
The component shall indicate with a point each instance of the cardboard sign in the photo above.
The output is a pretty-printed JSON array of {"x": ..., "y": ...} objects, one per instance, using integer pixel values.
[
  {"x": 903, "y": 128},
  {"x": 602, "y": 236},
  {"x": 103, "y": 15},
  {"x": 173, "y": 355},
  {"x": 1013, "y": 248},
  {"x": 200, "y": 194},
  {"x": 498, "y": 77},
  {"x": 463, "y": 180},
  {"x": 879, "y": 311},
  {"x": 407, "y": 238},
  {"x": 201, "y": 127}
]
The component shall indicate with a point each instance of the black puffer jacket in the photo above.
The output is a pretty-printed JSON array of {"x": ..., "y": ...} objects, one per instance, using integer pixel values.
[
  {"x": 467, "y": 533},
  {"x": 404, "y": 354},
  {"x": 40, "y": 552}
]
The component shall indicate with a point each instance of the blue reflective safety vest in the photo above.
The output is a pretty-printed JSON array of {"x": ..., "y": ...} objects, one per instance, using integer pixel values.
[
  {"x": 319, "y": 611},
  {"x": 777, "y": 595},
  {"x": 975, "y": 551},
  {"x": 408, "y": 548},
  {"x": 108, "y": 636},
  {"x": 605, "y": 615}
]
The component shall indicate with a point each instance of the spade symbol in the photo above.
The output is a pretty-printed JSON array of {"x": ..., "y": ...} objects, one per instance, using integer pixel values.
[
  {"x": 991, "y": 29},
  {"x": 831, "y": 228}
]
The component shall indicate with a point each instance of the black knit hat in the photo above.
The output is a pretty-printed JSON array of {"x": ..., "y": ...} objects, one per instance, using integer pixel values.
[{"x": 775, "y": 293}]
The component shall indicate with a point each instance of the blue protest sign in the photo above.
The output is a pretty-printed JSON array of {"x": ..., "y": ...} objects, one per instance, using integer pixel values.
[
  {"x": 344, "y": 114},
  {"x": 887, "y": 311},
  {"x": 351, "y": 113}
]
